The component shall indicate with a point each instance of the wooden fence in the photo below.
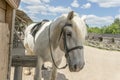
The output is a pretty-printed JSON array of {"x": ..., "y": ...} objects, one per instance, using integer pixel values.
[{"x": 22, "y": 61}]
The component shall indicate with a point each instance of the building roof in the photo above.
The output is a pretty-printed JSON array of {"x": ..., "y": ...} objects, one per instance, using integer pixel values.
[{"x": 23, "y": 17}]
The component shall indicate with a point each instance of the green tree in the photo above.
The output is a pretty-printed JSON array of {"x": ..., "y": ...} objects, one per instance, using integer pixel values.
[{"x": 114, "y": 28}]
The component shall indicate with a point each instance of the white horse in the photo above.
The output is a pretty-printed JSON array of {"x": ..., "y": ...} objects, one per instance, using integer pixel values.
[{"x": 67, "y": 32}]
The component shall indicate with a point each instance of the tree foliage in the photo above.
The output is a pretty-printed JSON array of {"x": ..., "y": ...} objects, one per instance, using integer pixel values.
[{"x": 114, "y": 28}]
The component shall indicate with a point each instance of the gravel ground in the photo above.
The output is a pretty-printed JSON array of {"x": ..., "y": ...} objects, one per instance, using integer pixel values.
[{"x": 100, "y": 65}]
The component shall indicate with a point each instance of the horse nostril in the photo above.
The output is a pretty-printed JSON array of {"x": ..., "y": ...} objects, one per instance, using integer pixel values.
[{"x": 75, "y": 66}]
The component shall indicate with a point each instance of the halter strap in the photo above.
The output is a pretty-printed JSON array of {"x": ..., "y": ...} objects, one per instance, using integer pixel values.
[
  {"x": 77, "y": 47},
  {"x": 51, "y": 52},
  {"x": 66, "y": 47},
  {"x": 67, "y": 24}
]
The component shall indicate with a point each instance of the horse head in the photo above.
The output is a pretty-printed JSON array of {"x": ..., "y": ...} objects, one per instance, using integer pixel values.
[{"x": 72, "y": 37}]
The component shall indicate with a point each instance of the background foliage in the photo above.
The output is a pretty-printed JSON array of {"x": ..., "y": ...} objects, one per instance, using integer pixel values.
[{"x": 114, "y": 28}]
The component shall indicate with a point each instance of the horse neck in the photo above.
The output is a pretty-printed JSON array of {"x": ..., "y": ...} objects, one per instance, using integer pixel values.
[{"x": 55, "y": 34}]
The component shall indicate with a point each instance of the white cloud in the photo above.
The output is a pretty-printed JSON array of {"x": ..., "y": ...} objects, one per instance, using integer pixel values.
[
  {"x": 41, "y": 6},
  {"x": 94, "y": 20},
  {"x": 59, "y": 9},
  {"x": 75, "y": 3},
  {"x": 45, "y": 1},
  {"x": 31, "y": 1},
  {"x": 47, "y": 13},
  {"x": 47, "y": 9},
  {"x": 34, "y": 8},
  {"x": 86, "y": 6},
  {"x": 117, "y": 16},
  {"x": 107, "y": 3}
]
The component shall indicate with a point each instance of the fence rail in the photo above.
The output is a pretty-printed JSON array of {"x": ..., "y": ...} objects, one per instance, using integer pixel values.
[
  {"x": 19, "y": 62},
  {"x": 24, "y": 61}
]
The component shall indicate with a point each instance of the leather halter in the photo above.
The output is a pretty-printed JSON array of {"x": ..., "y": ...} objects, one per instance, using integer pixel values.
[
  {"x": 67, "y": 50},
  {"x": 65, "y": 45}
]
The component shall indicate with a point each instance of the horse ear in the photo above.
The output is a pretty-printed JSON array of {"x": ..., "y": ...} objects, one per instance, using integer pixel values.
[{"x": 70, "y": 15}]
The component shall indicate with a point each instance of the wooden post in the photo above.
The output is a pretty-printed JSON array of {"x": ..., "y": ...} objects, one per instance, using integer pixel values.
[
  {"x": 4, "y": 50},
  {"x": 2, "y": 10},
  {"x": 10, "y": 19},
  {"x": 18, "y": 73},
  {"x": 7, "y": 16}
]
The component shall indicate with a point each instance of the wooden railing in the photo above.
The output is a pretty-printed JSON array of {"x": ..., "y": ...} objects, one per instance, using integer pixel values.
[{"x": 22, "y": 61}]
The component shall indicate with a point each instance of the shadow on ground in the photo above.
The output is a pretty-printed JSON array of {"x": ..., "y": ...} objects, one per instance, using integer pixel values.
[{"x": 46, "y": 75}]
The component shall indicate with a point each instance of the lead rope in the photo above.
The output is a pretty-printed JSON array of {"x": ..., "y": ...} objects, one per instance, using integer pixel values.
[{"x": 51, "y": 52}]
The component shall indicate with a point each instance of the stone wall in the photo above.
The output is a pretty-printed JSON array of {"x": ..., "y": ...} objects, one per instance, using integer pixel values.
[{"x": 104, "y": 41}]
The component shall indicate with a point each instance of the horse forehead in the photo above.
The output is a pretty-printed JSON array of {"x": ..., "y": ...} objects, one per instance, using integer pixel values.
[
  {"x": 77, "y": 23},
  {"x": 79, "y": 28}
]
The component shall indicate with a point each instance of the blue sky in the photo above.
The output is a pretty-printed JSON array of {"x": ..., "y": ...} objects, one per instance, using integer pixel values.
[{"x": 97, "y": 12}]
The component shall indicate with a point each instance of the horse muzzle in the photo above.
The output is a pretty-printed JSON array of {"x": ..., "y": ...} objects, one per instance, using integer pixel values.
[{"x": 76, "y": 67}]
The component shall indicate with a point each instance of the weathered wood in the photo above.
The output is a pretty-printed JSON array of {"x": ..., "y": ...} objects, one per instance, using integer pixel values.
[
  {"x": 4, "y": 50},
  {"x": 18, "y": 73},
  {"x": 14, "y": 3},
  {"x": 2, "y": 15},
  {"x": 24, "y": 61},
  {"x": 10, "y": 19},
  {"x": 2, "y": 4},
  {"x": 21, "y": 19}
]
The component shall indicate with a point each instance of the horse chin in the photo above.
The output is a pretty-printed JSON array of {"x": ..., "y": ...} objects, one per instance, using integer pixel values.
[{"x": 76, "y": 68}]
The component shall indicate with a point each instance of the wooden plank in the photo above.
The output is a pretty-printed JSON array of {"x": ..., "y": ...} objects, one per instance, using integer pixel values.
[
  {"x": 18, "y": 73},
  {"x": 4, "y": 50},
  {"x": 10, "y": 19},
  {"x": 24, "y": 61},
  {"x": 21, "y": 19},
  {"x": 14, "y": 3},
  {"x": 2, "y": 4},
  {"x": 2, "y": 15}
]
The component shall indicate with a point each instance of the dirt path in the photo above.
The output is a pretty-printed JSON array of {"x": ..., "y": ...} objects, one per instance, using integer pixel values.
[{"x": 100, "y": 65}]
